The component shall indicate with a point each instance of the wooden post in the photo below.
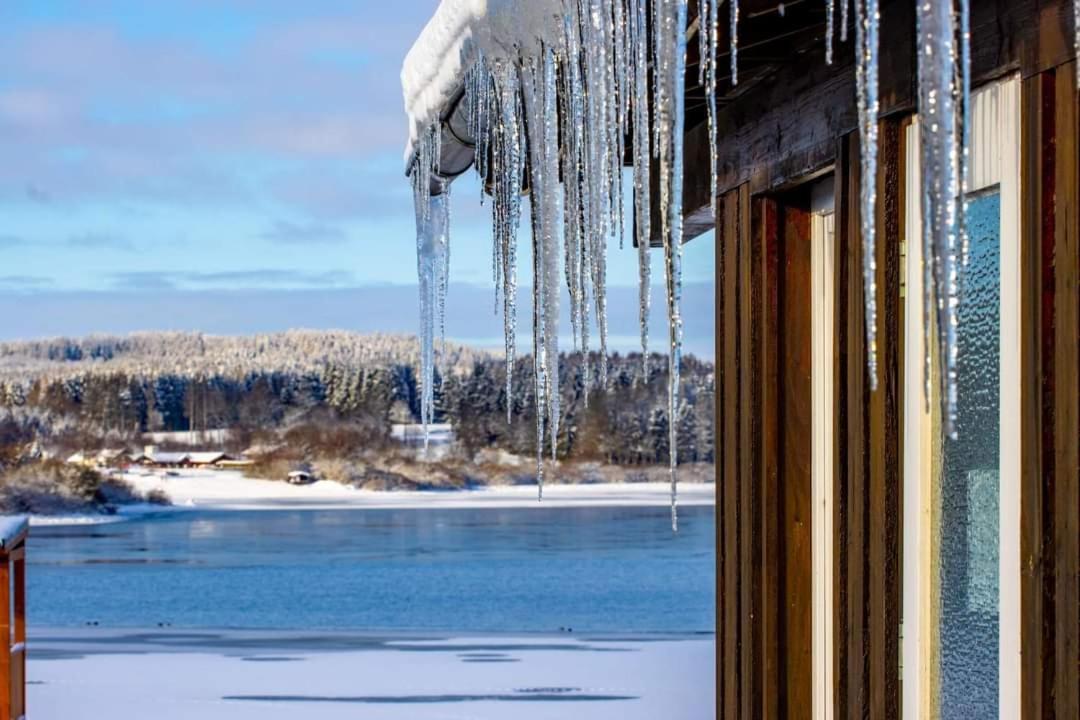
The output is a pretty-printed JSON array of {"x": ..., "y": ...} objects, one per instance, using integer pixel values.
[
  {"x": 18, "y": 654},
  {"x": 5, "y": 637}
]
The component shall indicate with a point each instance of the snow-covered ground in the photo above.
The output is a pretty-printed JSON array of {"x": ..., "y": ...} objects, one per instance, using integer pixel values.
[
  {"x": 234, "y": 675},
  {"x": 214, "y": 489}
]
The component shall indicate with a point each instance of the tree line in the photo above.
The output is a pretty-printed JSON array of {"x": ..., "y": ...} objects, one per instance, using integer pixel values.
[{"x": 109, "y": 390}]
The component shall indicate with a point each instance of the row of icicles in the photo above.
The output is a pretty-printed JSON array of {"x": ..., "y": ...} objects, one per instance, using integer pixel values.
[{"x": 558, "y": 123}]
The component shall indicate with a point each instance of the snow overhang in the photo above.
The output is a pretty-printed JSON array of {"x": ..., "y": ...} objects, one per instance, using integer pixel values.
[{"x": 433, "y": 74}]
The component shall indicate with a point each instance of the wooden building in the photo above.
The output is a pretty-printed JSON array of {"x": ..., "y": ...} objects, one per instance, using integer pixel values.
[
  {"x": 849, "y": 535},
  {"x": 867, "y": 566}
]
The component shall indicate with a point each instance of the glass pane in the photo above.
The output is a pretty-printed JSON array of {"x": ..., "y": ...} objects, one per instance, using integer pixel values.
[{"x": 969, "y": 488}]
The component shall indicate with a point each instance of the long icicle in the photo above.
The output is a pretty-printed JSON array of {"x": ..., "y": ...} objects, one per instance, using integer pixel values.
[
  {"x": 507, "y": 209},
  {"x": 642, "y": 178},
  {"x": 866, "y": 74},
  {"x": 734, "y": 7},
  {"x": 940, "y": 136},
  {"x": 830, "y": 29},
  {"x": 710, "y": 36},
  {"x": 672, "y": 117}
]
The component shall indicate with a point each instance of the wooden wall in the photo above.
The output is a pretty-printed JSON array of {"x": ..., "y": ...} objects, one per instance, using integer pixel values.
[
  {"x": 764, "y": 560},
  {"x": 1050, "y": 397},
  {"x": 759, "y": 596}
]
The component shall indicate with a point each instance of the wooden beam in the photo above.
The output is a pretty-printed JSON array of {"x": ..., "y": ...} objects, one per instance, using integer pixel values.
[
  {"x": 1066, "y": 497},
  {"x": 729, "y": 488},
  {"x": 1035, "y": 149}
]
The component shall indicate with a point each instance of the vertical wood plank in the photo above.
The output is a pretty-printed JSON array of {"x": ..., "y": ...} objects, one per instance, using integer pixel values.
[
  {"x": 884, "y": 432},
  {"x": 748, "y": 483},
  {"x": 841, "y": 633},
  {"x": 1066, "y": 541},
  {"x": 796, "y": 446},
  {"x": 721, "y": 465},
  {"x": 852, "y": 462},
  {"x": 768, "y": 241},
  {"x": 731, "y": 466},
  {"x": 1033, "y": 148}
]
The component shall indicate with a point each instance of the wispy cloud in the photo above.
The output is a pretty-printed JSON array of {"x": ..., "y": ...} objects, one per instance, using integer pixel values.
[
  {"x": 290, "y": 233},
  {"x": 230, "y": 280},
  {"x": 99, "y": 241},
  {"x": 24, "y": 282}
]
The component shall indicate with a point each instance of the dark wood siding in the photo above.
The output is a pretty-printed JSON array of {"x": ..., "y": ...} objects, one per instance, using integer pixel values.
[
  {"x": 1050, "y": 398},
  {"x": 763, "y": 471},
  {"x": 867, "y": 470}
]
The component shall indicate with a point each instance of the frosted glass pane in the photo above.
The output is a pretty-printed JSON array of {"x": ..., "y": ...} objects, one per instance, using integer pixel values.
[{"x": 969, "y": 486}]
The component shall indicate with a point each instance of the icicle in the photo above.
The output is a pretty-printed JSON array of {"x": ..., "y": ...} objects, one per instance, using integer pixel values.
[
  {"x": 507, "y": 208},
  {"x": 830, "y": 14},
  {"x": 866, "y": 75},
  {"x": 734, "y": 41},
  {"x": 672, "y": 118},
  {"x": 639, "y": 42},
  {"x": 552, "y": 211},
  {"x": 844, "y": 19},
  {"x": 1076, "y": 37},
  {"x": 965, "y": 110},
  {"x": 941, "y": 145},
  {"x": 542, "y": 127},
  {"x": 709, "y": 34},
  {"x": 432, "y": 249},
  {"x": 564, "y": 115}
]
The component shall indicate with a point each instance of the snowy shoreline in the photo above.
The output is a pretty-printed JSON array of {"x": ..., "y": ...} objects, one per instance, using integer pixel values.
[{"x": 230, "y": 490}]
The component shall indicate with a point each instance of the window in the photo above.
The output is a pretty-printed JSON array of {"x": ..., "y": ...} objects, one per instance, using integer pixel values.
[{"x": 962, "y": 544}]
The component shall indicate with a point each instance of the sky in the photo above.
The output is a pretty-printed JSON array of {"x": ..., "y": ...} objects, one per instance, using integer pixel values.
[{"x": 234, "y": 166}]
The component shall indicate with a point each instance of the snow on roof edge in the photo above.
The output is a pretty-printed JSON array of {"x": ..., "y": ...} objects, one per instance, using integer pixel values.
[{"x": 434, "y": 69}]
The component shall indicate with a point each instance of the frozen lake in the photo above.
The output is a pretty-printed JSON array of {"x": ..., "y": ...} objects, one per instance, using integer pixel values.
[{"x": 537, "y": 569}]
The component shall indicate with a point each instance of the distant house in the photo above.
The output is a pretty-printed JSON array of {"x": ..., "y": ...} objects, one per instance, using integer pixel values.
[
  {"x": 300, "y": 477},
  {"x": 169, "y": 459},
  {"x": 206, "y": 459}
]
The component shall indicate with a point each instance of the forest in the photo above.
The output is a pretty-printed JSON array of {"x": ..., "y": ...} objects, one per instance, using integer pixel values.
[{"x": 65, "y": 394}]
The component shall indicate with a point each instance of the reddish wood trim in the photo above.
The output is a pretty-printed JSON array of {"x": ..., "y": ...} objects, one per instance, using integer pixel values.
[
  {"x": 1050, "y": 398},
  {"x": 5, "y": 638},
  {"x": 769, "y": 241},
  {"x": 796, "y": 442}
]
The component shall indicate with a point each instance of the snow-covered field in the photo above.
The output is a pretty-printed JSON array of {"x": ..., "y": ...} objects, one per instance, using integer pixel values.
[
  {"x": 234, "y": 675},
  {"x": 212, "y": 489}
]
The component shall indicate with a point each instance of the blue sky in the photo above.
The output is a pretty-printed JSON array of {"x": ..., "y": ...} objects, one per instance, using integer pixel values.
[{"x": 179, "y": 150}]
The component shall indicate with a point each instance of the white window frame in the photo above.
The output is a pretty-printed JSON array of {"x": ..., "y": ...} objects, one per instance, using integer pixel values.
[
  {"x": 995, "y": 161},
  {"x": 823, "y": 243}
]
